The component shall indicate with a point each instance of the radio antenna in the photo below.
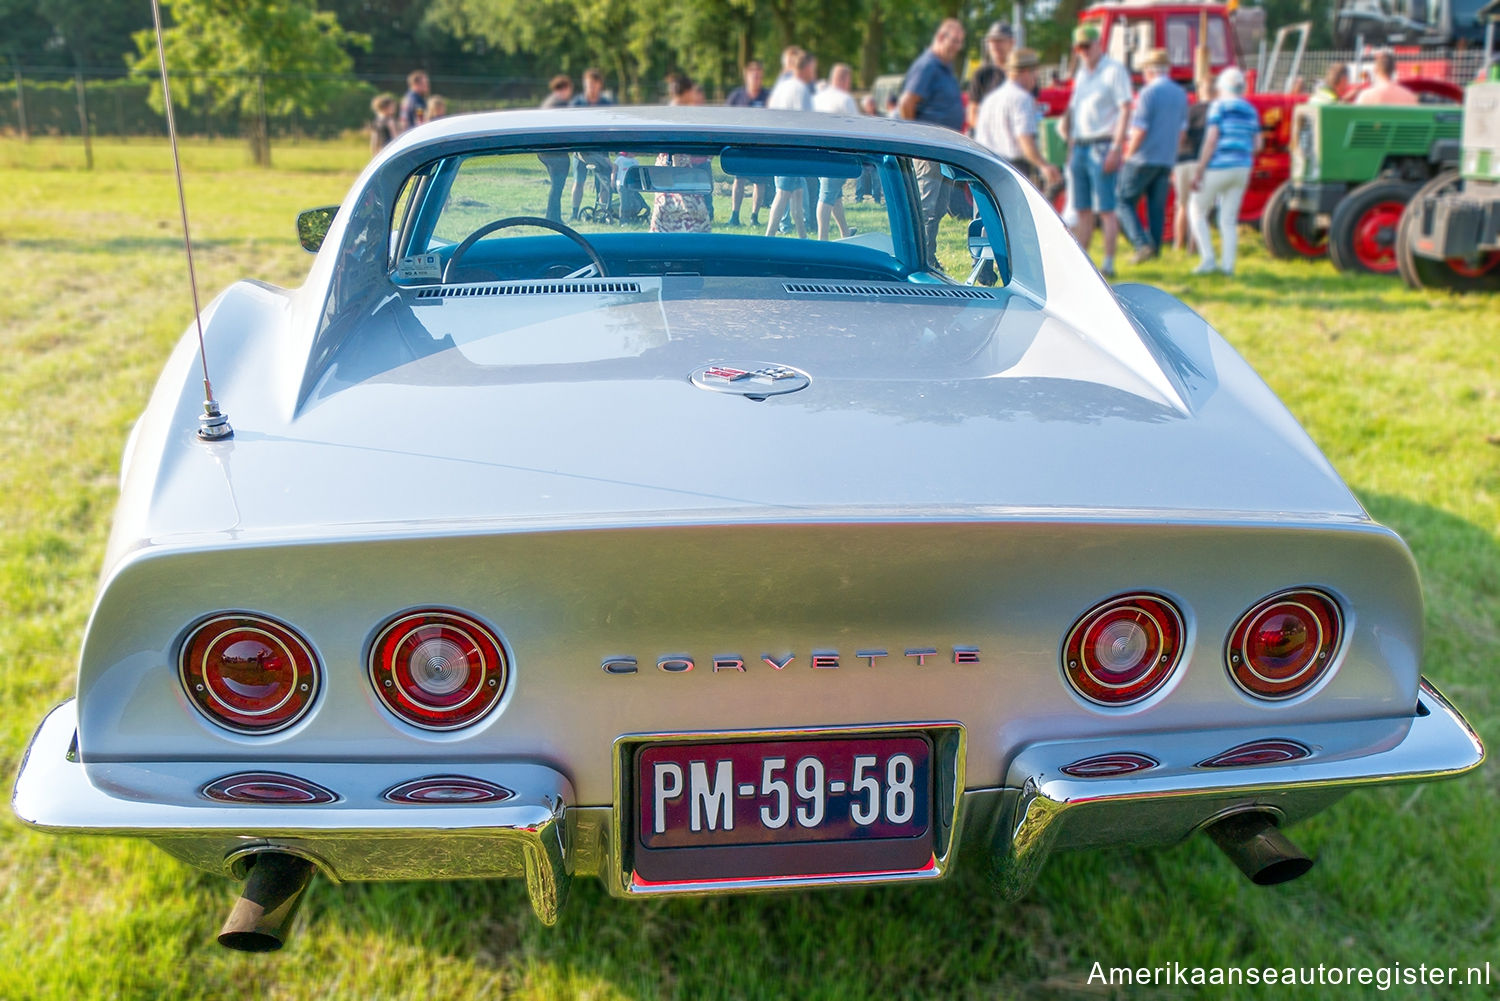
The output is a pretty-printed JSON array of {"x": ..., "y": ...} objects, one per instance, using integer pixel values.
[{"x": 213, "y": 423}]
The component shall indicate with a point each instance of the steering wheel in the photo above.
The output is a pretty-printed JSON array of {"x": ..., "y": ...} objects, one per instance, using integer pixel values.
[{"x": 524, "y": 220}]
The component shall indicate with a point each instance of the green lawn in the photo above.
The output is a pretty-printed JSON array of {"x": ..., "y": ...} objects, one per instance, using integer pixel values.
[{"x": 1400, "y": 389}]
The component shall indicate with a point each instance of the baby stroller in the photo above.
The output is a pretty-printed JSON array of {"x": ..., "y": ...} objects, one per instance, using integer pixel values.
[
  {"x": 632, "y": 205},
  {"x": 601, "y": 176}
]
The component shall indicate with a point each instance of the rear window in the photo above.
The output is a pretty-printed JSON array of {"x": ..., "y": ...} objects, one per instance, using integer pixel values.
[{"x": 558, "y": 213}]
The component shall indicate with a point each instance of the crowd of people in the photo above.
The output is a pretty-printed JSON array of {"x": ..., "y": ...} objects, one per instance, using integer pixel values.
[
  {"x": 1127, "y": 149},
  {"x": 390, "y": 117}
]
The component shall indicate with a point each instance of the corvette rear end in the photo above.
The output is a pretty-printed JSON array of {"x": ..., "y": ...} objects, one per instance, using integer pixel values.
[{"x": 705, "y": 581}]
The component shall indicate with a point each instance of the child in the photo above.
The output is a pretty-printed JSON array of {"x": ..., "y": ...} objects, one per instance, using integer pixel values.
[{"x": 382, "y": 127}]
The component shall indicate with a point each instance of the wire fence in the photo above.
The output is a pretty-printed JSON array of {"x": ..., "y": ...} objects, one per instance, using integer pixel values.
[{"x": 44, "y": 101}]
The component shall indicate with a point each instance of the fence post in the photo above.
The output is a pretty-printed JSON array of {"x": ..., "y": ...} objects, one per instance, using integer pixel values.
[
  {"x": 265, "y": 124},
  {"x": 83, "y": 121},
  {"x": 21, "y": 106}
]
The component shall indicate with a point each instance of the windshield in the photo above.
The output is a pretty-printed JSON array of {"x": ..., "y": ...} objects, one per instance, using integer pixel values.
[{"x": 753, "y": 211}]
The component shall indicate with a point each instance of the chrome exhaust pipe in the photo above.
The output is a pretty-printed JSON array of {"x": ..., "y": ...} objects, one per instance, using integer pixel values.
[
  {"x": 262, "y": 917},
  {"x": 1262, "y": 852}
]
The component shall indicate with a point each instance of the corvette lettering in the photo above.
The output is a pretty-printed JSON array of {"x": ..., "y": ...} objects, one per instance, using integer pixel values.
[{"x": 820, "y": 659}]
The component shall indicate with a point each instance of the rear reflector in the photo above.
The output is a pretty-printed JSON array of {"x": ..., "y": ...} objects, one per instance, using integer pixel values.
[
  {"x": 270, "y": 788},
  {"x": 1282, "y": 646},
  {"x": 248, "y": 673},
  {"x": 1257, "y": 752},
  {"x": 441, "y": 790},
  {"x": 1104, "y": 765},
  {"x": 1124, "y": 649}
]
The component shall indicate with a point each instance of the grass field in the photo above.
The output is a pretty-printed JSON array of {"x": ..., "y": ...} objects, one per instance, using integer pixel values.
[{"x": 1401, "y": 390}]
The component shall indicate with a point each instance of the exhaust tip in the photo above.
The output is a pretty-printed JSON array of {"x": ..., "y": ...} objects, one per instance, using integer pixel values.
[
  {"x": 249, "y": 941},
  {"x": 1260, "y": 851},
  {"x": 1281, "y": 871},
  {"x": 261, "y": 919}
]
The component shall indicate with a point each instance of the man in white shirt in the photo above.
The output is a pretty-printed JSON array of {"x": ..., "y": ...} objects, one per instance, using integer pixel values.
[
  {"x": 834, "y": 99},
  {"x": 1094, "y": 126},
  {"x": 1009, "y": 118},
  {"x": 792, "y": 93}
]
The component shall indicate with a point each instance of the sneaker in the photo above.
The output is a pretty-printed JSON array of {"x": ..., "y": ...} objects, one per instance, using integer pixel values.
[
  {"x": 1206, "y": 268},
  {"x": 734, "y": 220},
  {"x": 1144, "y": 254},
  {"x": 1107, "y": 269}
]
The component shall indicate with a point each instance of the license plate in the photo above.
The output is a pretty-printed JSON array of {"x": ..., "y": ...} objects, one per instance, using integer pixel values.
[{"x": 791, "y": 807}]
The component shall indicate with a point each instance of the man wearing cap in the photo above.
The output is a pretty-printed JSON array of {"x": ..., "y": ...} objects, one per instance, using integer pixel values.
[
  {"x": 999, "y": 42},
  {"x": 931, "y": 94},
  {"x": 1008, "y": 118},
  {"x": 1151, "y": 144},
  {"x": 1094, "y": 126}
]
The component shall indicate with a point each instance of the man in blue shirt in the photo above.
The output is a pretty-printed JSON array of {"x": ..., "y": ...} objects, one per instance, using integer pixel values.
[
  {"x": 592, "y": 97},
  {"x": 1150, "y": 153},
  {"x": 931, "y": 94},
  {"x": 414, "y": 104}
]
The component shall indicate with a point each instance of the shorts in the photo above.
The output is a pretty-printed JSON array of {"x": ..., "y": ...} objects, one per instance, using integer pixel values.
[
  {"x": 790, "y": 183},
  {"x": 830, "y": 190},
  {"x": 1093, "y": 189}
]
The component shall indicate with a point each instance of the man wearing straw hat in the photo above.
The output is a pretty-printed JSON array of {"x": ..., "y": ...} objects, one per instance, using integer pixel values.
[
  {"x": 1150, "y": 153},
  {"x": 1008, "y": 119}
]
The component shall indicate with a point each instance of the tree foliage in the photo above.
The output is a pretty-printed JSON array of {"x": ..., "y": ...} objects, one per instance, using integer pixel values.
[{"x": 252, "y": 59}]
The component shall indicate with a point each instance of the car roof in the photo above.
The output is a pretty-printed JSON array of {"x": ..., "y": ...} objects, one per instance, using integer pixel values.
[{"x": 812, "y": 128}]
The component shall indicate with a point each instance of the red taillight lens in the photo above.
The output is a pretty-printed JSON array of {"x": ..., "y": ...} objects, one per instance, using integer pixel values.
[
  {"x": 248, "y": 673},
  {"x": 437, "y": 669},
  {"x": 1123, "y": 650},
  {"x": 1283, "y": 645}
]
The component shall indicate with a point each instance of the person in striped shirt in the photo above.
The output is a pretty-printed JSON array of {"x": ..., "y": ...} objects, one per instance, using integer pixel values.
[{"x": 1223, "y": 172}]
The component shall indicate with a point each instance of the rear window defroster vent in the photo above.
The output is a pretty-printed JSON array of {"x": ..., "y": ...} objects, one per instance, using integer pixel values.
[
  {"x": 919, "y": 291},
  {"x": 551, "y": 288}
]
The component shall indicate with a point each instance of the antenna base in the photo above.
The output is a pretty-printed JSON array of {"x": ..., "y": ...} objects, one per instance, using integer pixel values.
[{"x": 213, "y": 423}]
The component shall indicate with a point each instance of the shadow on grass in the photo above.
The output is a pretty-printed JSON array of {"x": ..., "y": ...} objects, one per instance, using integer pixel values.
[
  {"x": 1255, "y": 288},
  {"x": 168, "y": 243}
]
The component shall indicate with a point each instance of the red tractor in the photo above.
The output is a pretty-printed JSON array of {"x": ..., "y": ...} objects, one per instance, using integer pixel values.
[{"x": 1199, "y": 38}]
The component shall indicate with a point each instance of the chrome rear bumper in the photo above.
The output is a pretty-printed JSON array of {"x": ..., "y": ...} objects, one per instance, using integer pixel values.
[{"x": 539, "y": 834}]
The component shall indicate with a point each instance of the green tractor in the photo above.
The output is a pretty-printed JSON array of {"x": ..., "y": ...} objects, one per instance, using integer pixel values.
[
  {"x": 1449, "y": 236},
  {"x": 1354, "y": 168}
]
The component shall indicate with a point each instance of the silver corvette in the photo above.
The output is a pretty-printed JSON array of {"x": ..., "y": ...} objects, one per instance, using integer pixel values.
[{"x": 702, "y": 558}]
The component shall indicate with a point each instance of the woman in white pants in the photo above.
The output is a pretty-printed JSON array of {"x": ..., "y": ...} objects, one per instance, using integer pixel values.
[{"x": 1223, "y": 170}]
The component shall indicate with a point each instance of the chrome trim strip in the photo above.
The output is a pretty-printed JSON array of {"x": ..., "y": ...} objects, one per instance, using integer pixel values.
[{"x": 949, "y": 757}]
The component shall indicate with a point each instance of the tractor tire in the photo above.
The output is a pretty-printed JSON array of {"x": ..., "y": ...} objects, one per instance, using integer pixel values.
[
  {"x": 1479, "y": 273},
  {"x": 1362, "y": 235},
  {"x": 1289, "y": 234}
]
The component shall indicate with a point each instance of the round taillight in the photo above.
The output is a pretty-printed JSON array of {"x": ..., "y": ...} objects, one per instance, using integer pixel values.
[
  {"x": 437, "y": 669},
  {"x": 248, "y": 673},
  {"x": 1283, "y": 645},
  {"x": 1124, "y": 649}
]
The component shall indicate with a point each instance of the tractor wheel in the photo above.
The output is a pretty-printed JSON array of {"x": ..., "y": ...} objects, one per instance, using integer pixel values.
[
  {"x": 1289, "y": 233},
  {"x": 1477, "y": 273},
  {"x": 1362, "y": 236}
]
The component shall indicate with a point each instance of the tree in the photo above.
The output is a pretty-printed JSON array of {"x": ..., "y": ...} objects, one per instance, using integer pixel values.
[
  {"x": 252, "y": 59},
  {"x": 93, "y": 31}
]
